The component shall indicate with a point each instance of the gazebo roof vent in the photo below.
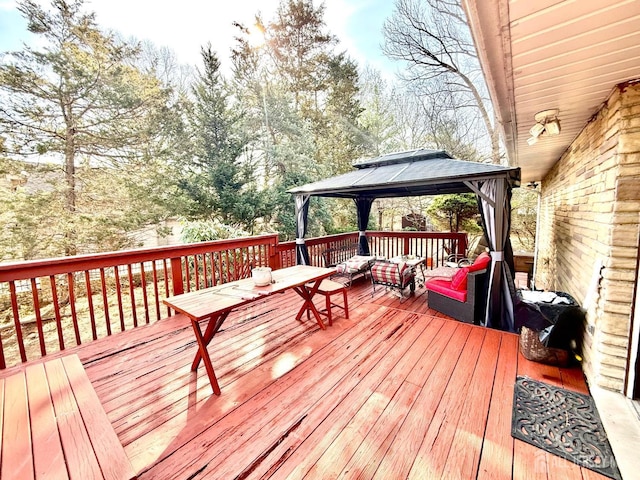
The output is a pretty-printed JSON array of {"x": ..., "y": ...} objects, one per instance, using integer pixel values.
[{"x": 400, "y": 157}]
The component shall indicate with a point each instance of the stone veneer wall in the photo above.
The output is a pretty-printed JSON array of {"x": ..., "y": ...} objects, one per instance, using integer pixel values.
[{"x": 589, "y": 217}]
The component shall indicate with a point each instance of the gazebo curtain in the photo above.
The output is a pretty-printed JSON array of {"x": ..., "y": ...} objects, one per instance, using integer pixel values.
[
  {"x": 363, "y": 205},
  {"x": 494, "y": 199},
  {"x": 302, "y": 213}
]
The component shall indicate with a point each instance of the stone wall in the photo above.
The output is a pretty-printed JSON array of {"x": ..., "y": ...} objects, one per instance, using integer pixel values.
[{"x": 589, "y": 231}]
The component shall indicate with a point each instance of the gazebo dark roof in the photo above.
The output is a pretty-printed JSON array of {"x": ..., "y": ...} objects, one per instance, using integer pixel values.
[{"x": 412, "y": 173}]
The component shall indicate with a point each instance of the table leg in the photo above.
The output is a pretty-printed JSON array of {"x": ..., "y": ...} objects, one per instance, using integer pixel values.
[
  {"x": 307, "y": 294},
  {"x": 213, "y": 326}
]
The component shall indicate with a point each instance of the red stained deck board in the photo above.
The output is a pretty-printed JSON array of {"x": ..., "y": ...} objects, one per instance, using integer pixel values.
[
  {"x": 113, "y": 462},
  {"x": 17, "y": 458},
  {"x": 47, "y": 449},
  {"x": 330, "y": 348},
  {"x": 287, "y": 407},
  {"x": 496, "y": 458},
  {"x": 328, "y": 435},
  {"x": 79, "y": 454},
  {"x": 434, "y": 450},
  {"x": 260, "y": 344},
  {"x": 470, "y": 429},
  {"x": 354, "y": 401},
  {"x": 371, "y": 450},
  {"x": 383, "y": 377},
  {"x": 400, "y": 457},
  {"x": 370, "y": 453},
  {"x": 335, "y": 457}
]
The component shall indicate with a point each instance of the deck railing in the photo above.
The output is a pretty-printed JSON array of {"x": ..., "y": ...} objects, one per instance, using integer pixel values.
[
  {"x": 435, "y": 246},
  {"x": 50, "y": 305}
]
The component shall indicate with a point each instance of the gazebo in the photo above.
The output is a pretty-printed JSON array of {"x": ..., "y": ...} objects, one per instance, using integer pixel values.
[{"x": 429, "y": 172}]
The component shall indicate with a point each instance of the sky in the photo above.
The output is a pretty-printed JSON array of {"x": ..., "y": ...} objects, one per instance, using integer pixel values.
[{"x": 186, "y": 25}]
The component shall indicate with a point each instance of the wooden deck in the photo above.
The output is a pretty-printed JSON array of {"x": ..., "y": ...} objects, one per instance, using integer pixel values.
[{"x": 397, "y": 391}]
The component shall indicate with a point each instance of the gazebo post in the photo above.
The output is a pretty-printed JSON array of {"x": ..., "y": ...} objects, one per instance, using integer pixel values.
[
  {"x": 495, "y": 209},
  {"x": 363, "y": 205},
  {"x": 302, "y": 214}
]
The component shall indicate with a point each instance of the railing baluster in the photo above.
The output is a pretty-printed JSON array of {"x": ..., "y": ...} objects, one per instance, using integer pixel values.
[
  {"x": 145, "y": 300},
  {"x": 156, "y": 295},
  {"x": 3, "y": 362},
  {"x": 228, "y": 268},
  {"x": 212, "y": 269},
  {"x": 105, "y": 301},
  {"x": 187, "y": 274},
  {"x": 92, "y": 317},
  {"x": 16, "y": 320},
  {"x": 205, "y": 282},
  {"x": 36, "y": 310},
  {"x": 166, "y": 282},
  {"x": 132, "y": 295},
  {"x": 72, "y": 306},
  {"x": 235, "y": 264},
  {"x": 196, "y": 271},
  {"x": 219, "y": 265},
  {"x": 56, "y": 310},
  {"x": 119, "y": 298}
]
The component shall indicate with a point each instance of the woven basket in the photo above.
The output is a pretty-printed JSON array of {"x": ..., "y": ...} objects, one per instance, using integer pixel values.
[{"x": 533, "y": 349}]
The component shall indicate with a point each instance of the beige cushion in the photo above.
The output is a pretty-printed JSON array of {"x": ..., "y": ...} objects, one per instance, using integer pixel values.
[{"x": 329, "y": 286}]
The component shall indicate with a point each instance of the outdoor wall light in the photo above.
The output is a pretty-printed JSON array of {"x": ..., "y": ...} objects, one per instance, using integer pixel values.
[
  {"x": 546, "y": 122},
  {"x": 552, "y": 127},
  {"x": 536, "y": 130}
]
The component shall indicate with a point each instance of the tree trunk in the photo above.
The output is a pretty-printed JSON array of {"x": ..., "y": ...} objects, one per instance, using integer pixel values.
[{"x": 70, "y": 194}]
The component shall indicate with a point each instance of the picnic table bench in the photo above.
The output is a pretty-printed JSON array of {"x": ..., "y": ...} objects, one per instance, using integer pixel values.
[{"x": 54, "y": 426}]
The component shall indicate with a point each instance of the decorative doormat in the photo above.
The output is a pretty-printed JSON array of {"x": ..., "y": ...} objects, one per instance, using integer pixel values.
[{"x": 564, "y": 423}]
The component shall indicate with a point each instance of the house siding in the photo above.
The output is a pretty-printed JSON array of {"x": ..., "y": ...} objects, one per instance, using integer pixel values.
[{"x": 589, "y": 231}]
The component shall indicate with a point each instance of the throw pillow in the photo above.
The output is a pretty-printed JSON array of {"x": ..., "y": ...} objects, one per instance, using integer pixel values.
[
  {"x": 459, "y": 280},
  {"x": 481, "y": 262}
]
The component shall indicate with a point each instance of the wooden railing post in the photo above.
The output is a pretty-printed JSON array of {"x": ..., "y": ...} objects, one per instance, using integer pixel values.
[
  {"x": 406, "y": 247},
  {"x": 274, "y": 256},
  {"x": 176, "y": 275},
  {"x": 462, "y": 245}
]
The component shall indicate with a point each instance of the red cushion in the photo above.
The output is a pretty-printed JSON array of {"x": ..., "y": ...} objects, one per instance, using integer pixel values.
[
  {"x": 459, "y": 280},
  {"x": 444, "y": 287},
  {"x": 482, "y": 261}
]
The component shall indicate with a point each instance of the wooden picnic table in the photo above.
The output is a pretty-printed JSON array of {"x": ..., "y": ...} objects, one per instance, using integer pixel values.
[{"x": 214, "y": 304}]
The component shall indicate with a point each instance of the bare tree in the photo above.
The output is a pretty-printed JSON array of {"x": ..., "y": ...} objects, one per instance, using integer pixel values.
[{"x": 432, "y": 36}]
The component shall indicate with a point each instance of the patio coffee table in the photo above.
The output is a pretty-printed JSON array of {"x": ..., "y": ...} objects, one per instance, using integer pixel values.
[{"x": 214, "y": 304}]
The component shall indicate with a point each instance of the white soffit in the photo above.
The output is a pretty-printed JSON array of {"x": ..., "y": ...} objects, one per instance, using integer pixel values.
[{"x": 553, "y": 54}]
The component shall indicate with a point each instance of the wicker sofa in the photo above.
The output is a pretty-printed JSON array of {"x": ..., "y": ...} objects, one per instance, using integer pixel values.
[{"x": 463, "y": 297}]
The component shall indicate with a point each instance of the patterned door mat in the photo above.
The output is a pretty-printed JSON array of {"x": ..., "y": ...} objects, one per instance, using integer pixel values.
[{"x": 564, "y": 423}]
